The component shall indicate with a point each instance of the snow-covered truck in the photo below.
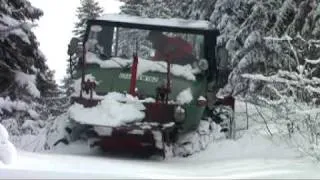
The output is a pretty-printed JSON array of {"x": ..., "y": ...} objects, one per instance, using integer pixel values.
[{"x": 165, "y": 68}]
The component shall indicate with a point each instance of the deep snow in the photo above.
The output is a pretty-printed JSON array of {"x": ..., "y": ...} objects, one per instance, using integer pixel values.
[
  {"x": 8, "y": 153},
  {"x": 245, "y": 158},
  {"x": 254, "y": 154}
]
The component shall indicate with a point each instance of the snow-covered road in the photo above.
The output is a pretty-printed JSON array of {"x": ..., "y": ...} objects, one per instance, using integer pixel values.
[
  {"x": 245, "y": 158},
  {"x": 255, "y": 154},
  {"x": 33, "y": 165}
]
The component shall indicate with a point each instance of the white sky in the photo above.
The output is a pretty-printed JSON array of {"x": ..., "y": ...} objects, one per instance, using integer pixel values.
[{"x": 55, "y": 27}]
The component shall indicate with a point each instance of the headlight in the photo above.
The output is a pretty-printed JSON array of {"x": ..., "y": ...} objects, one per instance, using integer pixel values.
[{"x": 179, "y": 114}]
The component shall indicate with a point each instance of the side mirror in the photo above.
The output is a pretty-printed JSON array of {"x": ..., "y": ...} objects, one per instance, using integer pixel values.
[{"x": 73, "y": 46}]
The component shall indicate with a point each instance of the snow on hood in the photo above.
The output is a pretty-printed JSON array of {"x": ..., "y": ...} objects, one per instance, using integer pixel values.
[
  {"x": 172, "y": 22},
  {"x": 114, "y": 110},
  {"x": 144, "y": 66}
]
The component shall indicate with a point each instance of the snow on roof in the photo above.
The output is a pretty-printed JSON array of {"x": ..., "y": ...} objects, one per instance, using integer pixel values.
[{"x": 173, "y": 22}]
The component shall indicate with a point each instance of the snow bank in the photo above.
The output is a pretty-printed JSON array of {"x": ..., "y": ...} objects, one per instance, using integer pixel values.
[
  {"x": 144, "y": 66},
  {"x": 172, "y": 22},
  {"x": 185, "y": 96},
  {"x": 114, "y": 110},
  {"x": 28, "y": 81},
  {"x": 8, "y": 153},
  {"x": 4, "y": 135}
]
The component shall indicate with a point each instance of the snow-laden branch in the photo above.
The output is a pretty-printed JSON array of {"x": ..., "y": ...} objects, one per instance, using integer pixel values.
[
  {"x": 28, "y": 81},
  {"x": 283, "y": 38},
  {"x": 314, "y": 62},
  {"x": 311, "y": 41},
  {"x": 291, "y": 79},
  {"x": 9, "y": 25},
  {"x": 271, "y": 102}
]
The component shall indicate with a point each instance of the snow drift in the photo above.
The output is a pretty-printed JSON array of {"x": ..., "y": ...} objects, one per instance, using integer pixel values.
[{"x": 8, "y": 152}]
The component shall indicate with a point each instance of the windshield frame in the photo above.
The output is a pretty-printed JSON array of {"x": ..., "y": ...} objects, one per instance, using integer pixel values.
[{"x": 210, "y": 38}]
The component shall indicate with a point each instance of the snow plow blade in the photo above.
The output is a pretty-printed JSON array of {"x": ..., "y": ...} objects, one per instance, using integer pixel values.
[{"x": 138, "y": 142}]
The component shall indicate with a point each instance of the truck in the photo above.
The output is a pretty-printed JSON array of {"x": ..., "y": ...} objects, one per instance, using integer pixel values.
[{"x": 169, "y": 66}]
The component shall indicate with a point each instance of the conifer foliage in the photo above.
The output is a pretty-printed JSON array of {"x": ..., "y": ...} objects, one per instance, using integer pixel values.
[
  {"x": 26, "y": 83},
  {"x": 89, "y": 9}
]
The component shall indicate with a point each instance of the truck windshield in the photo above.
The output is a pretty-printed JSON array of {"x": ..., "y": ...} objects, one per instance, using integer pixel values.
[{"x": 178, "y": 48}]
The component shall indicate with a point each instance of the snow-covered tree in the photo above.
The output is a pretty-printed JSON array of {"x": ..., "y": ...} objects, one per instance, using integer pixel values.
[
  {"x": 245, "y": 27},
  {"x": 133, "y": 7},
  {"x": 25, "y": 79},
  {"x": 74, "y": 53},
  {"x": 147, "y": 8},
  {"x": 89, "y": 9}
]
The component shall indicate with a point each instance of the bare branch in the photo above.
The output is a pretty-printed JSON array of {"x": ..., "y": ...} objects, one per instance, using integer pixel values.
[{"x": 264, "y": 119}]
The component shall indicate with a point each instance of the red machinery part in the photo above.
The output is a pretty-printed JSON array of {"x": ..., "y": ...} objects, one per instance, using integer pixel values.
[
  {"x": 122, "y": 140},
  {"x": 133, "y": 81},
  {"x": 229, "y": 101}
]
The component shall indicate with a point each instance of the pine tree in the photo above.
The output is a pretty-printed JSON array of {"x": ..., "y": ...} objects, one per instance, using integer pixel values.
[
  {"x": 147, "y": 8},
  {"x": 134, "y": 7},
  {"x": 89, "y": 9},
  {"x": 25, "y": 79}
]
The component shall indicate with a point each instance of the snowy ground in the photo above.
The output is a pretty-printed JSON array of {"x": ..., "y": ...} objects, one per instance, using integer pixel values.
[
  {"x": 253, "y": 155},
  {"x": 222, "y": 160}
]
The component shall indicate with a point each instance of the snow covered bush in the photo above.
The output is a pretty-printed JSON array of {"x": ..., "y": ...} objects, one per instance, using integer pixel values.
[
  {"x": 291, "y": 94},
  {"x": 8, "y": 153}
]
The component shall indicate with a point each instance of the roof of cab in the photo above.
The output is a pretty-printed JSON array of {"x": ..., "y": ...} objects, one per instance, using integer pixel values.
[{"x": 173, "y": 24}]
